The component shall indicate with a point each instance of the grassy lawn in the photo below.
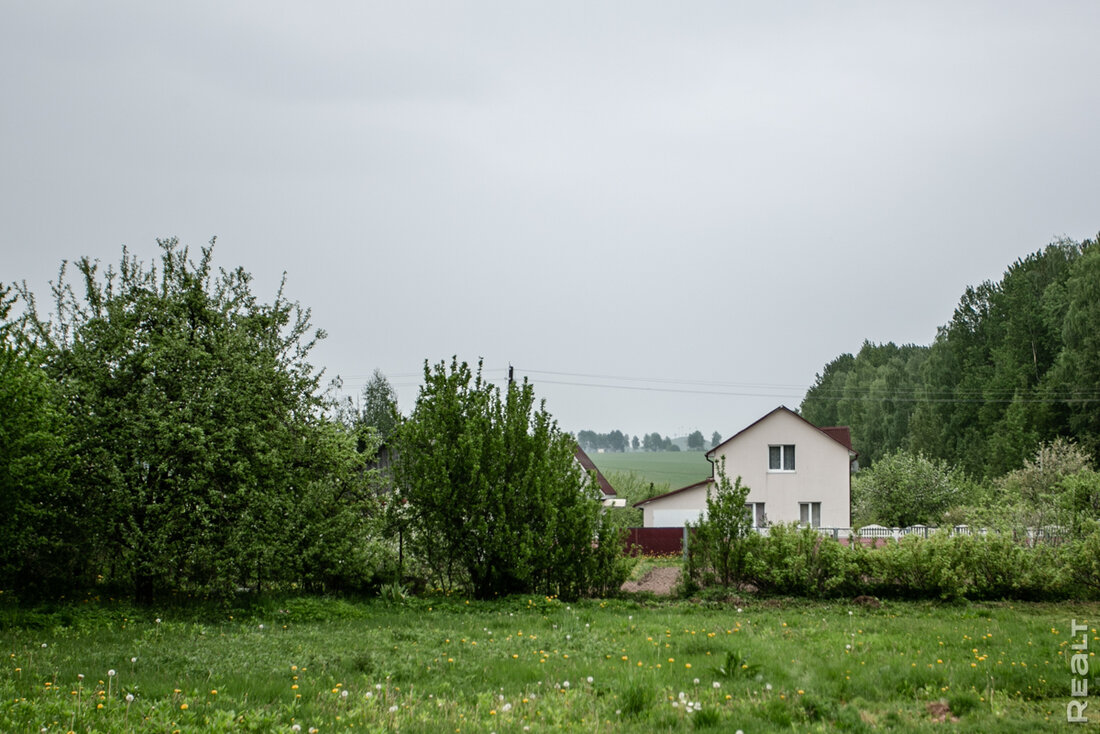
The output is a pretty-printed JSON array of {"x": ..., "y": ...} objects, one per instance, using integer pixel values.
[
  {"x": 666, "y": 469},
  {"x": 537, "y": 664}
]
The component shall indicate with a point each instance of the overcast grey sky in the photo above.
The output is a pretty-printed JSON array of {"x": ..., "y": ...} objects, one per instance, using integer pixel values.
[{"x": 716, "y": 197}]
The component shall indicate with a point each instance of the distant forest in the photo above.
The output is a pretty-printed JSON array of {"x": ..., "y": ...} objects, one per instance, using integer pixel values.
[
  {"x": 1017, "y": 366},
  {"x": 617, "y": 442}
]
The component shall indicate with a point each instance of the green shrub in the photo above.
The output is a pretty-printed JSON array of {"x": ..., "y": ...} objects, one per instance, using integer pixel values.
[{"x": 802, "y": 562}]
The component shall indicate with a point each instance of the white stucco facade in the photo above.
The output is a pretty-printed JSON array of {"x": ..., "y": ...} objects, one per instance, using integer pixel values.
[{"x": 795, "y": 471}]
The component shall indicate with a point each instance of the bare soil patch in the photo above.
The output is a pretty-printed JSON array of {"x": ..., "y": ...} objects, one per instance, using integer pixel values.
[{"x": 660, "y": 581}]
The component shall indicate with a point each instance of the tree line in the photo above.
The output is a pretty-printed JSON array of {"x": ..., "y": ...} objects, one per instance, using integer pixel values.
[
  {"x": 619, "y": 442},
  {"x": 162, "y": 431},
  {"x": 1017, "y": 366}
]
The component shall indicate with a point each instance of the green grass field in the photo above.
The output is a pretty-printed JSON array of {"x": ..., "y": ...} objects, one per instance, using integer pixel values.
[
  {"x": 537, "y": 664},
  {"x": 671, "y": 469}
]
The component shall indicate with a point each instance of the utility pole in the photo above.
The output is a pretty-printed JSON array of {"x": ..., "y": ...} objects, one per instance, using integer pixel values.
[{"x": 511, "y": 377}]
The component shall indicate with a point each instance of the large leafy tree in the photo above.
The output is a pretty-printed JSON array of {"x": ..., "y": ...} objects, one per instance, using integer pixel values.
[
  {"x": 43, "y": 549},
  {"x": 194, "y": 414},
  {"x": 380, "y": 406},
  {"x": 490, "y": 496}
]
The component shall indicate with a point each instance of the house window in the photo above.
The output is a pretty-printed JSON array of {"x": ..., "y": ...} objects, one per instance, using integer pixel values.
[
  {"x": 809, "y": 513},
  {"x": 781, "y": 458},
  {"x": 756, "y": 512}
]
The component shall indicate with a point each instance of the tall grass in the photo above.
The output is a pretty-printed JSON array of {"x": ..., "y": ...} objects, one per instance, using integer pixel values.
[{"x": 442, "y": 664}]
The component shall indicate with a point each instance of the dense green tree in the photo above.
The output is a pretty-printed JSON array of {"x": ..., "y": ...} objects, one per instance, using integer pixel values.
[
  {"x": 904, "y": 489},
  {"x": 695, "y": 441},
  {"x": 195, "y": 417},
  {"x": 716, "y": 438},
  {"x": 635, "y": 443},
  {"x": 41, "y": 517},
  {"x": 873, "y": 393},
  {"x": 380, "y": 406},
  {"x": 492, "y": 498},
  {"x": 720, "y": 545}
]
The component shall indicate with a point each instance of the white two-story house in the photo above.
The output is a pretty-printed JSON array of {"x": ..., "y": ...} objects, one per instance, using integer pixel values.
[{"x": 795, "y": 471}]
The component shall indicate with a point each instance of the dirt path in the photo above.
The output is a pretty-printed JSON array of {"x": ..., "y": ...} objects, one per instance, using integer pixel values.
[{"x": 660, "y": 581}]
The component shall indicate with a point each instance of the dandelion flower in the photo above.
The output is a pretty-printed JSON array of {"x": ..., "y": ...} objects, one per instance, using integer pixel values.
[
  {"x": 589, "y": 679},
  {"x": 133, "y": 660},
  {"x": 716, "y": 684},
  {"x": 111, "y": 673},
  {"x": 393, "y": 709},
  {"x": 129, "y": 698}
]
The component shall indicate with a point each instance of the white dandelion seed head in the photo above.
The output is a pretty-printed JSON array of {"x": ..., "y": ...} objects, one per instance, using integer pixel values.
[
  {"x": 377, "y": 686},
  {"x": 393, "y": 709},
  {"x": 589, "y": 679},
  {"x": 716, "y": 684},
  {"x": 111, "y": 673},
  {"x": 43, "y": 644},
  {"x": 768, "y": 687},
  {"x": 80, "y": 676},
  {"x": 344, "y": 693},
  {"x": 696, "y": 681},
  {"x": 565, "y": 684},
  {"x": 129, "y": 698},
  {"x": 369, "y": 694},
  {"x": 133, "y": 660},
  {"x": 157, "y": 620},
  {"x": 506, "y": 707},
  {"x": 261, "y": 626},
  {"x": 296, "y": 727}
]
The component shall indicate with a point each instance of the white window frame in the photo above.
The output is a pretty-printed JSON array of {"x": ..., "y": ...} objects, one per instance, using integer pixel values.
[
  {"x": 809, "y": 513},
  {"x": 787, "y": 457},
  {"x": 757, "y": 513}
]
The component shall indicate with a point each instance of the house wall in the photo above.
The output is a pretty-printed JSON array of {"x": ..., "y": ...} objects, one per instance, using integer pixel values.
[
  {"x": 675, "y": 510},
  {"x": 822, "y": 470}
]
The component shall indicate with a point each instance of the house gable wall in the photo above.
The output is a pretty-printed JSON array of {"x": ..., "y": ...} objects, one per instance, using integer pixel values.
[{"x": 822, "y": 469}]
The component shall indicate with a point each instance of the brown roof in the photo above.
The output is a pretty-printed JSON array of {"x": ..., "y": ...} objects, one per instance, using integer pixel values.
[
  {"x": 708, "y": 480},
  {"x": 840, "y": 434},
  {"x": 588, "y": 466}
]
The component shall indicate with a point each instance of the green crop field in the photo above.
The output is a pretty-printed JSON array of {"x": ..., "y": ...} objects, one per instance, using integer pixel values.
[
  {"x": 672, "y": 469},
  {"x": 537, "y": 664}
]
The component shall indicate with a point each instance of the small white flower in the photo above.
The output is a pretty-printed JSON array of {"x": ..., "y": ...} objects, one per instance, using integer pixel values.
[
  {"x": 589, "y": 679},
  {"x": 565, "y": 684},
  {"x": 377, "y": 686},
  {"x": 344, "y": 693},
  {"x": 393, "y": 709},
  {"x": 296, "y": 727},
  {"x": 849, "y": 612},
  {"x": 133, "y": 660},
  {"x": 847, "y": 647},
  {"x": 80, "y": 676},
  {"x": 696, "y": 681},
  {"x": 716, "y": 684},
  {"x": 506, "y": 707},
  {"x": 369, "y": 694},
  {"x": 675, "y": 704},
  {"x": 569, "y": 637},
  {"x": 129, "y": 698},
  {"x": 111, "y": 673},
  {"x": 43, "y": 644},
  {"x": 261, "y": 626},
  {"x": 768, "y": 686},
  {"x": 157, "y": 620}
]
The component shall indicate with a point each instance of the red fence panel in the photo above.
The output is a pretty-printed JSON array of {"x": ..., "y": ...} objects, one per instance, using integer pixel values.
[{"x": 655, "y": 541}]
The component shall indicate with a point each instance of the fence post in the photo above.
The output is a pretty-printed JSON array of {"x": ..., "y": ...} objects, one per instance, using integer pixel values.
[{"x": 685, "y": 544}]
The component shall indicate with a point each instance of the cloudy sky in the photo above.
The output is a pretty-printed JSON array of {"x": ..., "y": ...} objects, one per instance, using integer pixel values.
[{"x": 669, "y": 216}]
